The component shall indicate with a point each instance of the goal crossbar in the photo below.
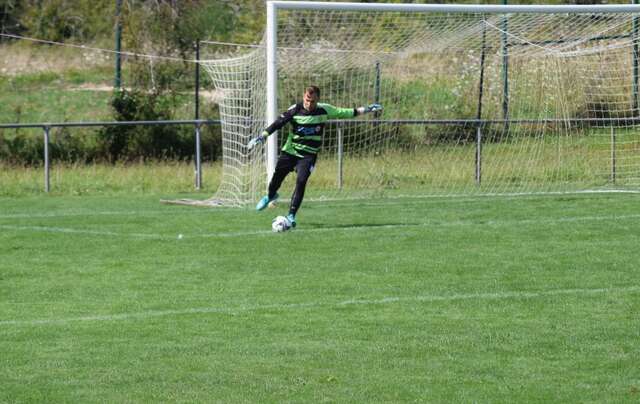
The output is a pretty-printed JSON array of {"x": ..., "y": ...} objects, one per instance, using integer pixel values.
[{"x": 454, "y": 8}]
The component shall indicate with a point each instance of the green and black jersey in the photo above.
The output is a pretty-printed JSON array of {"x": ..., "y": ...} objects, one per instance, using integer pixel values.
[{"x": 305, "y": 136}]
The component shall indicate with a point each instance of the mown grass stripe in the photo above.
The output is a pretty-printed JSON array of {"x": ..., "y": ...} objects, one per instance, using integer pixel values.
[
  {"x": 312, "y": 305},
  {"x": 355, "y": 227}
]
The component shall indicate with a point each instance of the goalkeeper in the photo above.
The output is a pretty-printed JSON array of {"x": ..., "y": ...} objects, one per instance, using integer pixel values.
[{"x": 300, "y": 151}]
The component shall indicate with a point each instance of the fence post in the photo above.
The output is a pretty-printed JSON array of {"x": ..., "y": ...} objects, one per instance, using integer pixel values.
[
  {"x": 198, "y": 159},
  {"x": 479, "y": 155},
  {"x": 479, "y": 111},
  {"x": 613, "y": 155},
  {"x": 118, "y": 74},
  {"x": 377, "y": 85},
  {"x": 46, "y": 159},
  {"x": 376, "y": 114},
  {"x": 340, "y": 155},
  {"x": 197, "y": 81},
  {"x": 505, "y": 70}
]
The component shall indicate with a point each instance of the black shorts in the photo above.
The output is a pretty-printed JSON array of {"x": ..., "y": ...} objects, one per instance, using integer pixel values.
[{"x": 304, "y": 165}]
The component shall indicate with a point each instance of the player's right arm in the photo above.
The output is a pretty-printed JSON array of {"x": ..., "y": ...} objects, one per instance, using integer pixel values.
[{"x": 282, "y": 120}]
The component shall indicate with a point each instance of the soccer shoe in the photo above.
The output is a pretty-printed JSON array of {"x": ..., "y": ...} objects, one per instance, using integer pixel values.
[
  {"x": 264, "y": 202},
  {"x": 292, "y": 219}
]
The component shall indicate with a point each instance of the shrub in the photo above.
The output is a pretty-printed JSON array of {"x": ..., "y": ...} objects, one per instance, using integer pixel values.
[
  {"x": 157, "y": 141},
  {"x": 21, "y": 147}
]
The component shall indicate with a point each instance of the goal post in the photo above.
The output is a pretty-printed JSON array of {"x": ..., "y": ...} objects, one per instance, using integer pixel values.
[
  {"x": 272, "y": 82},
  {"x": 570, "y": 82}
]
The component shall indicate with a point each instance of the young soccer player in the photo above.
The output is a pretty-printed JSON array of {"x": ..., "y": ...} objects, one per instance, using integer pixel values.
[{"x": 300, "y": 151}]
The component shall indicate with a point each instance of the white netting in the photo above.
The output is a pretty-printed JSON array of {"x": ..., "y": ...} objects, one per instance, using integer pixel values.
[
  {"x": 240, "y": 83},
  {"x": 569, "y": 97}
]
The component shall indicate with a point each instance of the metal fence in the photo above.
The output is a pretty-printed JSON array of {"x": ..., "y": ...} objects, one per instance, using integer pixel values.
[
  {"x": 46, "y": 127},
  {"x": 479, "y": 124}
]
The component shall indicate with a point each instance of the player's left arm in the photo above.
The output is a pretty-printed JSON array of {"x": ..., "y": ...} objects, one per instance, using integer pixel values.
[
  {"x": 345, "y": 113},
  {"x": 282, "y": 120}
]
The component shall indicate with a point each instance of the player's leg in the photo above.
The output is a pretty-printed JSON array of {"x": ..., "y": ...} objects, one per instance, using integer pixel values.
[
  {"x": 304, "y": 169},
  {"x": 285, "y": 164}
]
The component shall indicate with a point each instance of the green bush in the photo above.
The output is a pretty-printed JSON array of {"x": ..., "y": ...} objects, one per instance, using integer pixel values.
[
  {"x": 129, "y": 142},
  {"x": 116, "y": 143},
  {"x": 21, "y": 147},
  {"x": 74, "y": 145}
]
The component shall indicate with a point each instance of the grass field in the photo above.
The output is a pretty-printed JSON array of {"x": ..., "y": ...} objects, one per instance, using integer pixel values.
[
  {"x": 528, "y": 299},
  {"x": 55, "y": 96},
  {"x": 152, "y": 177}
]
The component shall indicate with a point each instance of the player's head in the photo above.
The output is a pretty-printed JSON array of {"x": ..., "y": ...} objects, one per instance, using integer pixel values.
[{"x": 311, "y": 97}]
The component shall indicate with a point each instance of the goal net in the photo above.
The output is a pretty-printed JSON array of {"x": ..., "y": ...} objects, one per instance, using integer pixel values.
[{"x": 477, "y": 99}]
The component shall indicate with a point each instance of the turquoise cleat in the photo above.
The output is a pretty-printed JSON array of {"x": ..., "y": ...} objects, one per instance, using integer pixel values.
[
  {"x": 264, "y": 202},
  {"x": 292, "y": 219}
]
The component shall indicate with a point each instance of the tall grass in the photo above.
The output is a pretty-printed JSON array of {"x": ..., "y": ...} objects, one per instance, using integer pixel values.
[{"x": 158, "y": 177}]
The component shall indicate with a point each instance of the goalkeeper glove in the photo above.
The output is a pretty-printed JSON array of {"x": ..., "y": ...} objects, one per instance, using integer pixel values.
[
  {"x": 370, "y": 108},
  {"x": 373, "y": 108},
  {"x": 257, "y": 140}
]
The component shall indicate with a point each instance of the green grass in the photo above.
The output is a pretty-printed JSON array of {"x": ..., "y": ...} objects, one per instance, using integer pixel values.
[
  {"x": 72, "y": 95},
  {"x": 56, "y": 105},
  {"x": 530, "y": 299},
  {"x": 55, "y": 97},
  {"x": 106, "y": 179}
]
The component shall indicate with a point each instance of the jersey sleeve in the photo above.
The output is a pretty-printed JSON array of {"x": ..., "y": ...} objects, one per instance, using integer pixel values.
[
  {"x": 283, "y": 119},
  {"x": 338, "y": 113}
]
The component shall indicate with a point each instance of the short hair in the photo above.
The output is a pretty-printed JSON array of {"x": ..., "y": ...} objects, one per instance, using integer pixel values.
[{"x": 313, "y": 90}]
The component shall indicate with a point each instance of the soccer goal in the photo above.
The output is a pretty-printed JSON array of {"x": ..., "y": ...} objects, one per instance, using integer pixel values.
[{"x": 478, "y": 99}]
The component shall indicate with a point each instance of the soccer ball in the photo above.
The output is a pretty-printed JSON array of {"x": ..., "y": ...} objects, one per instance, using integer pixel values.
[{"x": 280, "y": 224}]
